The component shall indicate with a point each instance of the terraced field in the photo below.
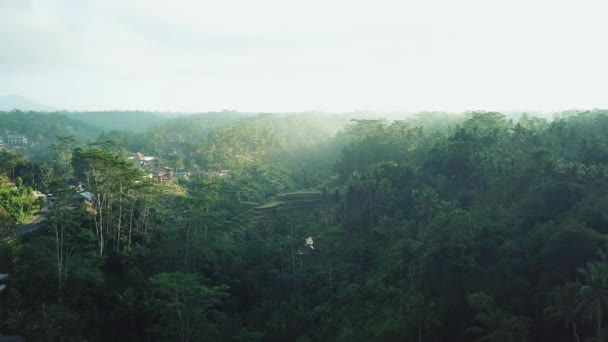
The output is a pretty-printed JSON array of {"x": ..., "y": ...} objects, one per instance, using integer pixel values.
[{"x": 255, "y": 213}]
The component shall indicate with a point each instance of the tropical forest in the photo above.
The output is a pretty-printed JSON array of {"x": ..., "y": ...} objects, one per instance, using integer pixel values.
[{"x": 360, "y": 226}]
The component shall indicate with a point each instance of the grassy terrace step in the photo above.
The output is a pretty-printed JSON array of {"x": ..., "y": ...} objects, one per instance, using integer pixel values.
[
  {"x": 269, "y": 205},
  {"x": 287, "y": 204},
  {"x": 254, "y": 213},
  {"x": 301, "y": 195},
  {"x": 312, "y": 192},
  {"x": 249, "y": 204}
]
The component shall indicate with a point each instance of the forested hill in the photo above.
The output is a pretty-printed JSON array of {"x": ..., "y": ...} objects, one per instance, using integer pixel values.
[
  {"x": 44, "y": 127},
  {"x": 436, "y": 227},
  {"x": 141, "y": 121},
  {"x": 135, "y": 121}
]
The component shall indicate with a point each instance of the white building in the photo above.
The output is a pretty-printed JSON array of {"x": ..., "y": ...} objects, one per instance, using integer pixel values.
[
  {"x": 175, "y": 138},
  {"x": 16, "y": 140}
]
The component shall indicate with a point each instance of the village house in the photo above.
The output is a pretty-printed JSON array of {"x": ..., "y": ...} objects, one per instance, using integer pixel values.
[
  {"x": 182, "y": 174},
  {"x": 220, "y": 173},
  {"x": 166, "y": 174},
  {"x": 85, "y": 199},
  {"x": 141, "y": 161},
  {"x": 16, "y": 140},
  {"x": 175, "y": 138},
  {"x": 163, "y": 175},
  {"x": 83, "y": 196}
]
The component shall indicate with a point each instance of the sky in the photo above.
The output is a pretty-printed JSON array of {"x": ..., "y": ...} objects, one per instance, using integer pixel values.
[{"x": 284, "y": 55}]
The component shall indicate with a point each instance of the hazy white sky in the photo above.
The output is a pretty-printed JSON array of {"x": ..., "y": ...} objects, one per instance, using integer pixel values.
[{"x": 283, "y": 55}]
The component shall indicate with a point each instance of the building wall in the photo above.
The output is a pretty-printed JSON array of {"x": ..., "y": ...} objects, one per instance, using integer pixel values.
[{"x": 16, "y": 140}]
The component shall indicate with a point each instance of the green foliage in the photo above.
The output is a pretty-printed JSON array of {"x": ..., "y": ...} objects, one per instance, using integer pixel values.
[
  {"x": 17, "y": 203},
  {"x": 119, "y": 120},
  {"x": 185, "y": 306},
  {"x": 471, "y": 227},
  {"x": 42, "y": 128},
  {"x": 493, "y": 324}
]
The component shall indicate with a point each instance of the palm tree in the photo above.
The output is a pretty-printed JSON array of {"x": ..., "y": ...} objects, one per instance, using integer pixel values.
[
  {"x": 492, "y": 324},
  {"x": 423, "y": 314},
  {"x": 565, "y": 308},
  {"x": 370, "y": 183},
  {"x": 427, "y": 202},
  {"x": 498, "y": 326},
  {"x": 594, "y": 293}
]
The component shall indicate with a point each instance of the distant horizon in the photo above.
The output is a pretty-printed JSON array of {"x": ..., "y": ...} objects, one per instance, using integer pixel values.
[{"x": 371, "y": 111}]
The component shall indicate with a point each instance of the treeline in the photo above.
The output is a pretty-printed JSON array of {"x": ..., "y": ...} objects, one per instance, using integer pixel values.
[
  {"x": 42, "y": 128},
  {"x": 472, "y": 227},
  {"x": 132, "y": 120}
]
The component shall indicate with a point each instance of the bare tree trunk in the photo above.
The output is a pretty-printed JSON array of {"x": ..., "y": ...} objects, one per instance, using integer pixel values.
[
  {"x": 98, "y": 205},
  {"x": 282, "y": 261},
  {"x": 575, "y": 332},
  {"x": 187, "y": 251},
  {"x": 293, "y": 256},
  {"x": 206, "y": 224},
  {"x": 99, "y": 223},
  {"x": 131, "y": 223},
  {"x": 62, "y": 251},
  {"x": 371, "y": 209},
  {"x": 108, "y": 221},
  {"x": 145, "y": 217},
  {"x": 330, "y": 277},
  {"x": 119, "y": 229},
  {"x": 599, "y": 323},
  {"x": 59, "y": 257}
]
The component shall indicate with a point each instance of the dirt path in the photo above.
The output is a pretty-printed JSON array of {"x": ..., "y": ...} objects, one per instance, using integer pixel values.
[{"x": 33, "y": 225}]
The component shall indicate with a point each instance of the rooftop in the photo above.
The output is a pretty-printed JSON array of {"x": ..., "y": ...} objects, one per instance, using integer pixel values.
[{"x": 83, "y": 195}]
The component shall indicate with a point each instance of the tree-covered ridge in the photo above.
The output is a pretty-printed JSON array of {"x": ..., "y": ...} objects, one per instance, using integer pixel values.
[
  {"x": 41, "y": 128},
  {"x": 475, "y": 227},
  {"x": 135, "y": 121}
]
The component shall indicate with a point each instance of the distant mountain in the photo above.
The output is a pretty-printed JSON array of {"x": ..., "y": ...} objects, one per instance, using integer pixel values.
[{"x": 12, "y": 101}]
